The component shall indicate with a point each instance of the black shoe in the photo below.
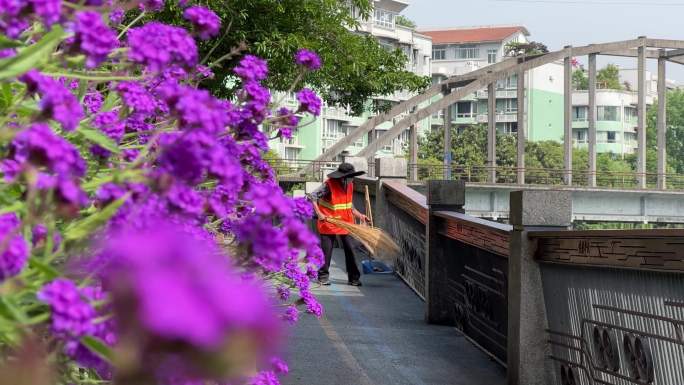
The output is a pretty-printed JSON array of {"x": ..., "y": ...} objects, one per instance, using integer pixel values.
[
  {"x": 355, "y": 282},
  {"x": 324, "y": 281}
]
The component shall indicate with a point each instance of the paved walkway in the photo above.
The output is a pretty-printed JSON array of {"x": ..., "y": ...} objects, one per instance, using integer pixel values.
[{"x": 375, "y": 335}]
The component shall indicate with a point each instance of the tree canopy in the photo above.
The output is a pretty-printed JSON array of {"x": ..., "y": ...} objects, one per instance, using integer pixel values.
[
  {"x": 355, "y": 66},
  {"x": 606, "y": 78}
]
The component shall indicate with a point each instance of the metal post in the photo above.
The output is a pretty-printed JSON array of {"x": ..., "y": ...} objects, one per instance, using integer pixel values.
[
  {"x": 447, "y": 143},
  {"x": 567, "y": 117},
  {"x": 641, "y": 112},
  {"x": 413, "y": 144},
  {"x": 491, "y": 132},
  {"x": 591, "y": 115},
  {"x": 662, "y": 124},
  {"x": 522, "y": 127}
]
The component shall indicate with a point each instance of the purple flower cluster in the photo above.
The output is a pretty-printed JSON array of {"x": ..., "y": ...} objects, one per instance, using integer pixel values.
[
  {"x": 308, "y": 59},
  {"x": 309, "y": 102},
  {"x": 58, "y": 162},
  {"x": 56, "y": 102},
  {"x": 110, "y": 125},
  {"x": 39, "y": 236},
  {"x": 205, "y": 21},
  {"x": 14, "y": 253},
  {"x": 136, "y": 97},
  {"x": 16, "y": 15},
  {"x": 252, "y": 68},
  {"x": 72, "y": 315},
  {"x": 93, "y": 38},
  {"x": 158, "y": 46}
]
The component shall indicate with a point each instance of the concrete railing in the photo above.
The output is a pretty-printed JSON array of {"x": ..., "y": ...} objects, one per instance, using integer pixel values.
[{"x": 553, "y": 306}]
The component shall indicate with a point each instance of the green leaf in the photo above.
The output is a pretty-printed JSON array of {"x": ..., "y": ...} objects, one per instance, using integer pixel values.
[
  {"x": 110, "y": 101},
  {"x": 32, "y": 56},
  {"x": 86, "y": 226},
  {"x": 44, "y": 268},
  {"x": 98, "y": 347},
  {"x": 98, "y": 138},
  {"x": 6, "y": 42}
]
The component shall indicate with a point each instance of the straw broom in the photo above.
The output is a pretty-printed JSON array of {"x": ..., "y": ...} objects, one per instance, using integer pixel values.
[{"x": 378, "y": 243}]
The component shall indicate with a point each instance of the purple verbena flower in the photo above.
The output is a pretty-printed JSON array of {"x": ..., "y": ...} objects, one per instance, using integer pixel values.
[
  {"x": 116, "y": 17},
  {"x": 56, "y": 102},
  {"x": 136, "y": 97},
  {"x": 205, "y": 21},
  {"x": 279, "y": 365},
  {"x": 39, "y": 235},
  {"x": 287, "y": 122},
  {"x": 185, "y": 290},
  {"x": 158, "y": 46},
  {"x": 14, "y": 251},
  {"x": 7, "y": 52},
  {"x": 72, "y": 315},
  {"x": 309, "y": 59},
  {"x": 41, "y": 147},
  {"x": 309, "y": 102},
  {"x": 252, "y": 68},
  {"x": 283, "y": 292},
  {"x": 291, "y": 315},
  {"x": 93, "y": 101},
  {"x": 110, "y": 125},
  {"x": 265, "y": 378},
  {"x": 93, "y": 38}
]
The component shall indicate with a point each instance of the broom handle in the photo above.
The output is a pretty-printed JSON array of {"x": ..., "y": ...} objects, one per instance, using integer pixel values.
[{"x": 369, "y": 211}]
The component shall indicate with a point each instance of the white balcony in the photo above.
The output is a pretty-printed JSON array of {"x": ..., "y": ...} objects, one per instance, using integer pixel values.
[
  {"x": 335, "y": 113},
  {"x": 500, "y": 94},
  {"x": 500, "y": 118}
]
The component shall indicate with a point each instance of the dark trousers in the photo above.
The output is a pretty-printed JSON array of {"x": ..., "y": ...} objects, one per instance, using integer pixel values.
[{"x": 327, "y": 243}]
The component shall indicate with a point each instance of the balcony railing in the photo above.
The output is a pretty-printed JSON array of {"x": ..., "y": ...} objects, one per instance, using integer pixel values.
[
  {"x": 500, "y": 94},
  {"x": 500, "y": 118}
]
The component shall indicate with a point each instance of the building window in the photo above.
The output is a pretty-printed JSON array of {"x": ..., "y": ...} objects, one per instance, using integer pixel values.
[
  {"x": 608, "y": 113},
  {"x": 510, "y": 128},
  {"x": 512, "y": 82},
  {"x": 510, "y": 106},
  {"x": 631, "y": 115},
  {"x": 467, "y": 52},
  {"x": 465, "y": 109},
  {"x": 491, "y": 56},
  {"x": 334, "y": 129},
  {"x": 581, "y": 136},
  {"x": 439, "y": 52},
  {"x": 291, "y": 153},
  {"x": 612, "y": 136},
  {"x": 579, "y": 113},
  {"x": 384, "y": 18}
]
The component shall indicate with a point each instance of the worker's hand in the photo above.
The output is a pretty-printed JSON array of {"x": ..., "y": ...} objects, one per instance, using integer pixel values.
[
  {"x": 363, "y": 218},
  {"x": 322, "y": 217}
]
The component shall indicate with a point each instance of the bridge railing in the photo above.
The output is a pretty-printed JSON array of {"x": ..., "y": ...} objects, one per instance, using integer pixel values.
[
  {"x": 614, "y": 305},
  {"x": 551, "y": 305},
  {"x": 285, "y": 169}
]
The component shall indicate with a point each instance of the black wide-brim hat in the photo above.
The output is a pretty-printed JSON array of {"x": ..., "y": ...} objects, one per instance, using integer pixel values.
[{"x": 345, "y": 170}]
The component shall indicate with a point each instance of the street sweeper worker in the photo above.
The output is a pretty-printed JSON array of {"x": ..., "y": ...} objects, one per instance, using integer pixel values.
[{"x": 333, "y": 199}]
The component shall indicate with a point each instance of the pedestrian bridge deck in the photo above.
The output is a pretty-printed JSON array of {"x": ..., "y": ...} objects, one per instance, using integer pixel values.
[{"x": 376, "y": 335}]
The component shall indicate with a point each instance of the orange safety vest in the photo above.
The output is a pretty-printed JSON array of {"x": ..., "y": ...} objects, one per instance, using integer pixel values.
[{"x": 339, "y": 206}]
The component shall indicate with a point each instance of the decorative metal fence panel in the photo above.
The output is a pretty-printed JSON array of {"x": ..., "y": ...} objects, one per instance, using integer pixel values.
[
  {"x": 405, "y": 222},
  {"x": 615, "y": 306},
  {"x": 476, "y": 262}
]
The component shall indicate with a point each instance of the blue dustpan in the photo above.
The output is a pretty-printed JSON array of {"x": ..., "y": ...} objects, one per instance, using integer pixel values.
[{"x": 375, "y": 267}]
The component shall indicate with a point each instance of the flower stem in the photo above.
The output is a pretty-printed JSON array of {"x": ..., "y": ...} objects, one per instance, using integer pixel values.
[{"x": 126, "y": 28}]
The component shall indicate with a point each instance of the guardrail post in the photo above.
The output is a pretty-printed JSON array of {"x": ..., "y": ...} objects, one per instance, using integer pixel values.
[
  {"x": 527, "y": 347},
  {"x": 386, "y": 168},
  {"x": 442, "y": 195},
  {"x": 359, "y": 163}
]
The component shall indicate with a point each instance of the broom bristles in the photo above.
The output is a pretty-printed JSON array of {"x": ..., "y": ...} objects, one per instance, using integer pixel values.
[{"x": 378, "y": 243}]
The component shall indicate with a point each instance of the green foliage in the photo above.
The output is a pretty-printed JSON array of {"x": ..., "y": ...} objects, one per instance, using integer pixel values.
[
  {"x": 609, "y": 78},
  {"x": 355, "y": 66},
  {"x": 405, "y": 22},
  {"x": 580, "y": 81},
  {"x": 675, "y": 130},
  {"x": 531, "y": 48}
]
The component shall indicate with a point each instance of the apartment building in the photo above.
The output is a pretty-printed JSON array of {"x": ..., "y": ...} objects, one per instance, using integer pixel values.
[
  {"x": 457, "y": 51},
  {"x": 616, "y": 113},
  {"x": 316, "y": 135}
]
